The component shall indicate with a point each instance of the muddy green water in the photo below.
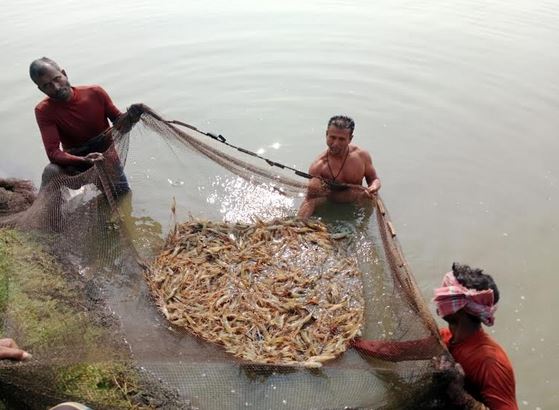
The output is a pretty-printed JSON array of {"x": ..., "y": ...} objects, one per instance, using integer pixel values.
[{"x": 457, "y": 101}]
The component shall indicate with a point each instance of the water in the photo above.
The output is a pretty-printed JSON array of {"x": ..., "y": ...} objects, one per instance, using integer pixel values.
[{"x": 456, "y": 101}]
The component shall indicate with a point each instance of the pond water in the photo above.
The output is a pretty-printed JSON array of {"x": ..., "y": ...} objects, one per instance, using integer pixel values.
[{"x": 456, "y": 101}]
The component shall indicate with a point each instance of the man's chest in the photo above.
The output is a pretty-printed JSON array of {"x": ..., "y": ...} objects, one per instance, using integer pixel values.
[
  {"x": 85, "y": 113},
  {"x": 350, "y": 171}
]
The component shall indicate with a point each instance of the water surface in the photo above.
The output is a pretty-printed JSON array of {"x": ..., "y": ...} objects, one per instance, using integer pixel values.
[{"x": 456, "y": 101}]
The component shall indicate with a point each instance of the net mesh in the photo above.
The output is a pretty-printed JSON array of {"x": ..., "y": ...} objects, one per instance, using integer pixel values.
[{"x": 104, "y": 238}]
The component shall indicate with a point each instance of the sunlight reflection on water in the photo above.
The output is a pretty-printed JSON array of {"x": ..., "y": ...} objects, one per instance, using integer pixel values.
[{"x": 242, "y": 201}]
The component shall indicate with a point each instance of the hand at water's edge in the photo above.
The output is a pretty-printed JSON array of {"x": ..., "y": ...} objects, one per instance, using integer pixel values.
[{"x": 10, "y": 350}]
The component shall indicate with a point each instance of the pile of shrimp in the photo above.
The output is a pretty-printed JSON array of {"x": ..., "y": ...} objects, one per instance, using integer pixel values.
[{"x": 280, "y": 292}]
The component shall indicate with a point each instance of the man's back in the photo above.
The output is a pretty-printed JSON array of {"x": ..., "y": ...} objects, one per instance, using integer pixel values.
[{"x": 489, "y": 375}]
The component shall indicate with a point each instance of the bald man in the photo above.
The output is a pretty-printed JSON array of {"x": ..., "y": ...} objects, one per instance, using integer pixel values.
[{"x": 72, "y": 121}]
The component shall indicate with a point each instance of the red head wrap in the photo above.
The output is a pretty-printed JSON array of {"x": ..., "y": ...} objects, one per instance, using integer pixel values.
[{"x": 452, "y": 297}]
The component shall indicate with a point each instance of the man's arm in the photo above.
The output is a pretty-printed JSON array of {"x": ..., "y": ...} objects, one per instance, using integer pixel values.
[
  {"x": 123, "y": 122},
  {"x": 111, "y": 111},
  {"x": 313, "y": 196},
  {"x": 309, "y": 204},
  {"x": 373, "y": 182},
  {"x": 498, "y": 387},
  {"x": 395, "y": 351},
  {"x": 51, "y": 141},
  {"x": 451, "y": 374},
  {"x": 127, "y": 120}
]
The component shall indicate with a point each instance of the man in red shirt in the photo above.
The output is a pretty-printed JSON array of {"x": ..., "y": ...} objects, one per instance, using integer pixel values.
[
  {"x": 72, "y": 121},
  {"x": 483, "y": 377}
]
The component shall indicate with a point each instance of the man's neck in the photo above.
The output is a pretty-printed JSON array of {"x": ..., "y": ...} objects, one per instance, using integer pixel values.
[
  {"x": 465, "y": 331},
  {"x": 71, "y": 94},
  {"x": 65, "y": 100},
  {"x": 338, "y": 156}
]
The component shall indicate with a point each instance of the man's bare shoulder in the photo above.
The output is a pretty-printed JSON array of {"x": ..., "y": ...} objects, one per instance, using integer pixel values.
[
  {"x": 322, "y": 158},
  {"x": 356, "y": 151},
  {"x": 319, "y": 163}
]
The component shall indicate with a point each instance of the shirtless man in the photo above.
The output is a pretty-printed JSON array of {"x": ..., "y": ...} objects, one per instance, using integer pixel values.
[{"x": 342, "y": 162}]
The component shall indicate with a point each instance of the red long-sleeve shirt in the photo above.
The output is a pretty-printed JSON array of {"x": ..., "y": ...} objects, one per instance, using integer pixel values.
[
  {"x": 488, "y": 370},
  {"x": 489, "y": 375},
  {"x": 73, "y": 123}
]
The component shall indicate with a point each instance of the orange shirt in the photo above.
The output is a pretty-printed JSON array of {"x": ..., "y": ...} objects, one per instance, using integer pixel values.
[{"x": 489, "y": 374}]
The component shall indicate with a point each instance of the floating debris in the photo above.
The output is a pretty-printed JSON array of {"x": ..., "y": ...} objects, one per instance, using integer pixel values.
[{"x": 281, "y": 292}]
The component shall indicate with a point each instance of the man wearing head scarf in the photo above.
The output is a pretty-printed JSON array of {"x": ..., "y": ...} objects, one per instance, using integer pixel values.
[
  {"x": 72, "y": 121},
  {"x": 483, "y": 374}
]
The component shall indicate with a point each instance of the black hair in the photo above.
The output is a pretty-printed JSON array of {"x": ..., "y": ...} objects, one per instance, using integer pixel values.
[
  {"x": 38, "y": 67},
  {"x": 342, "y": 122},
  {"x": 473, "y": 278}
]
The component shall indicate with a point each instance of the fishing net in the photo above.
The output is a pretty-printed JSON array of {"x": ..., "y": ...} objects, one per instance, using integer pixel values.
[
  {"x": 15, "y": 195},
  {"x": 158, "y": 264}
]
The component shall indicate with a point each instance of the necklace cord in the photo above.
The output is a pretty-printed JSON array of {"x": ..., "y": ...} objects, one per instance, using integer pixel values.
[{"x": 341, "y": 168}]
